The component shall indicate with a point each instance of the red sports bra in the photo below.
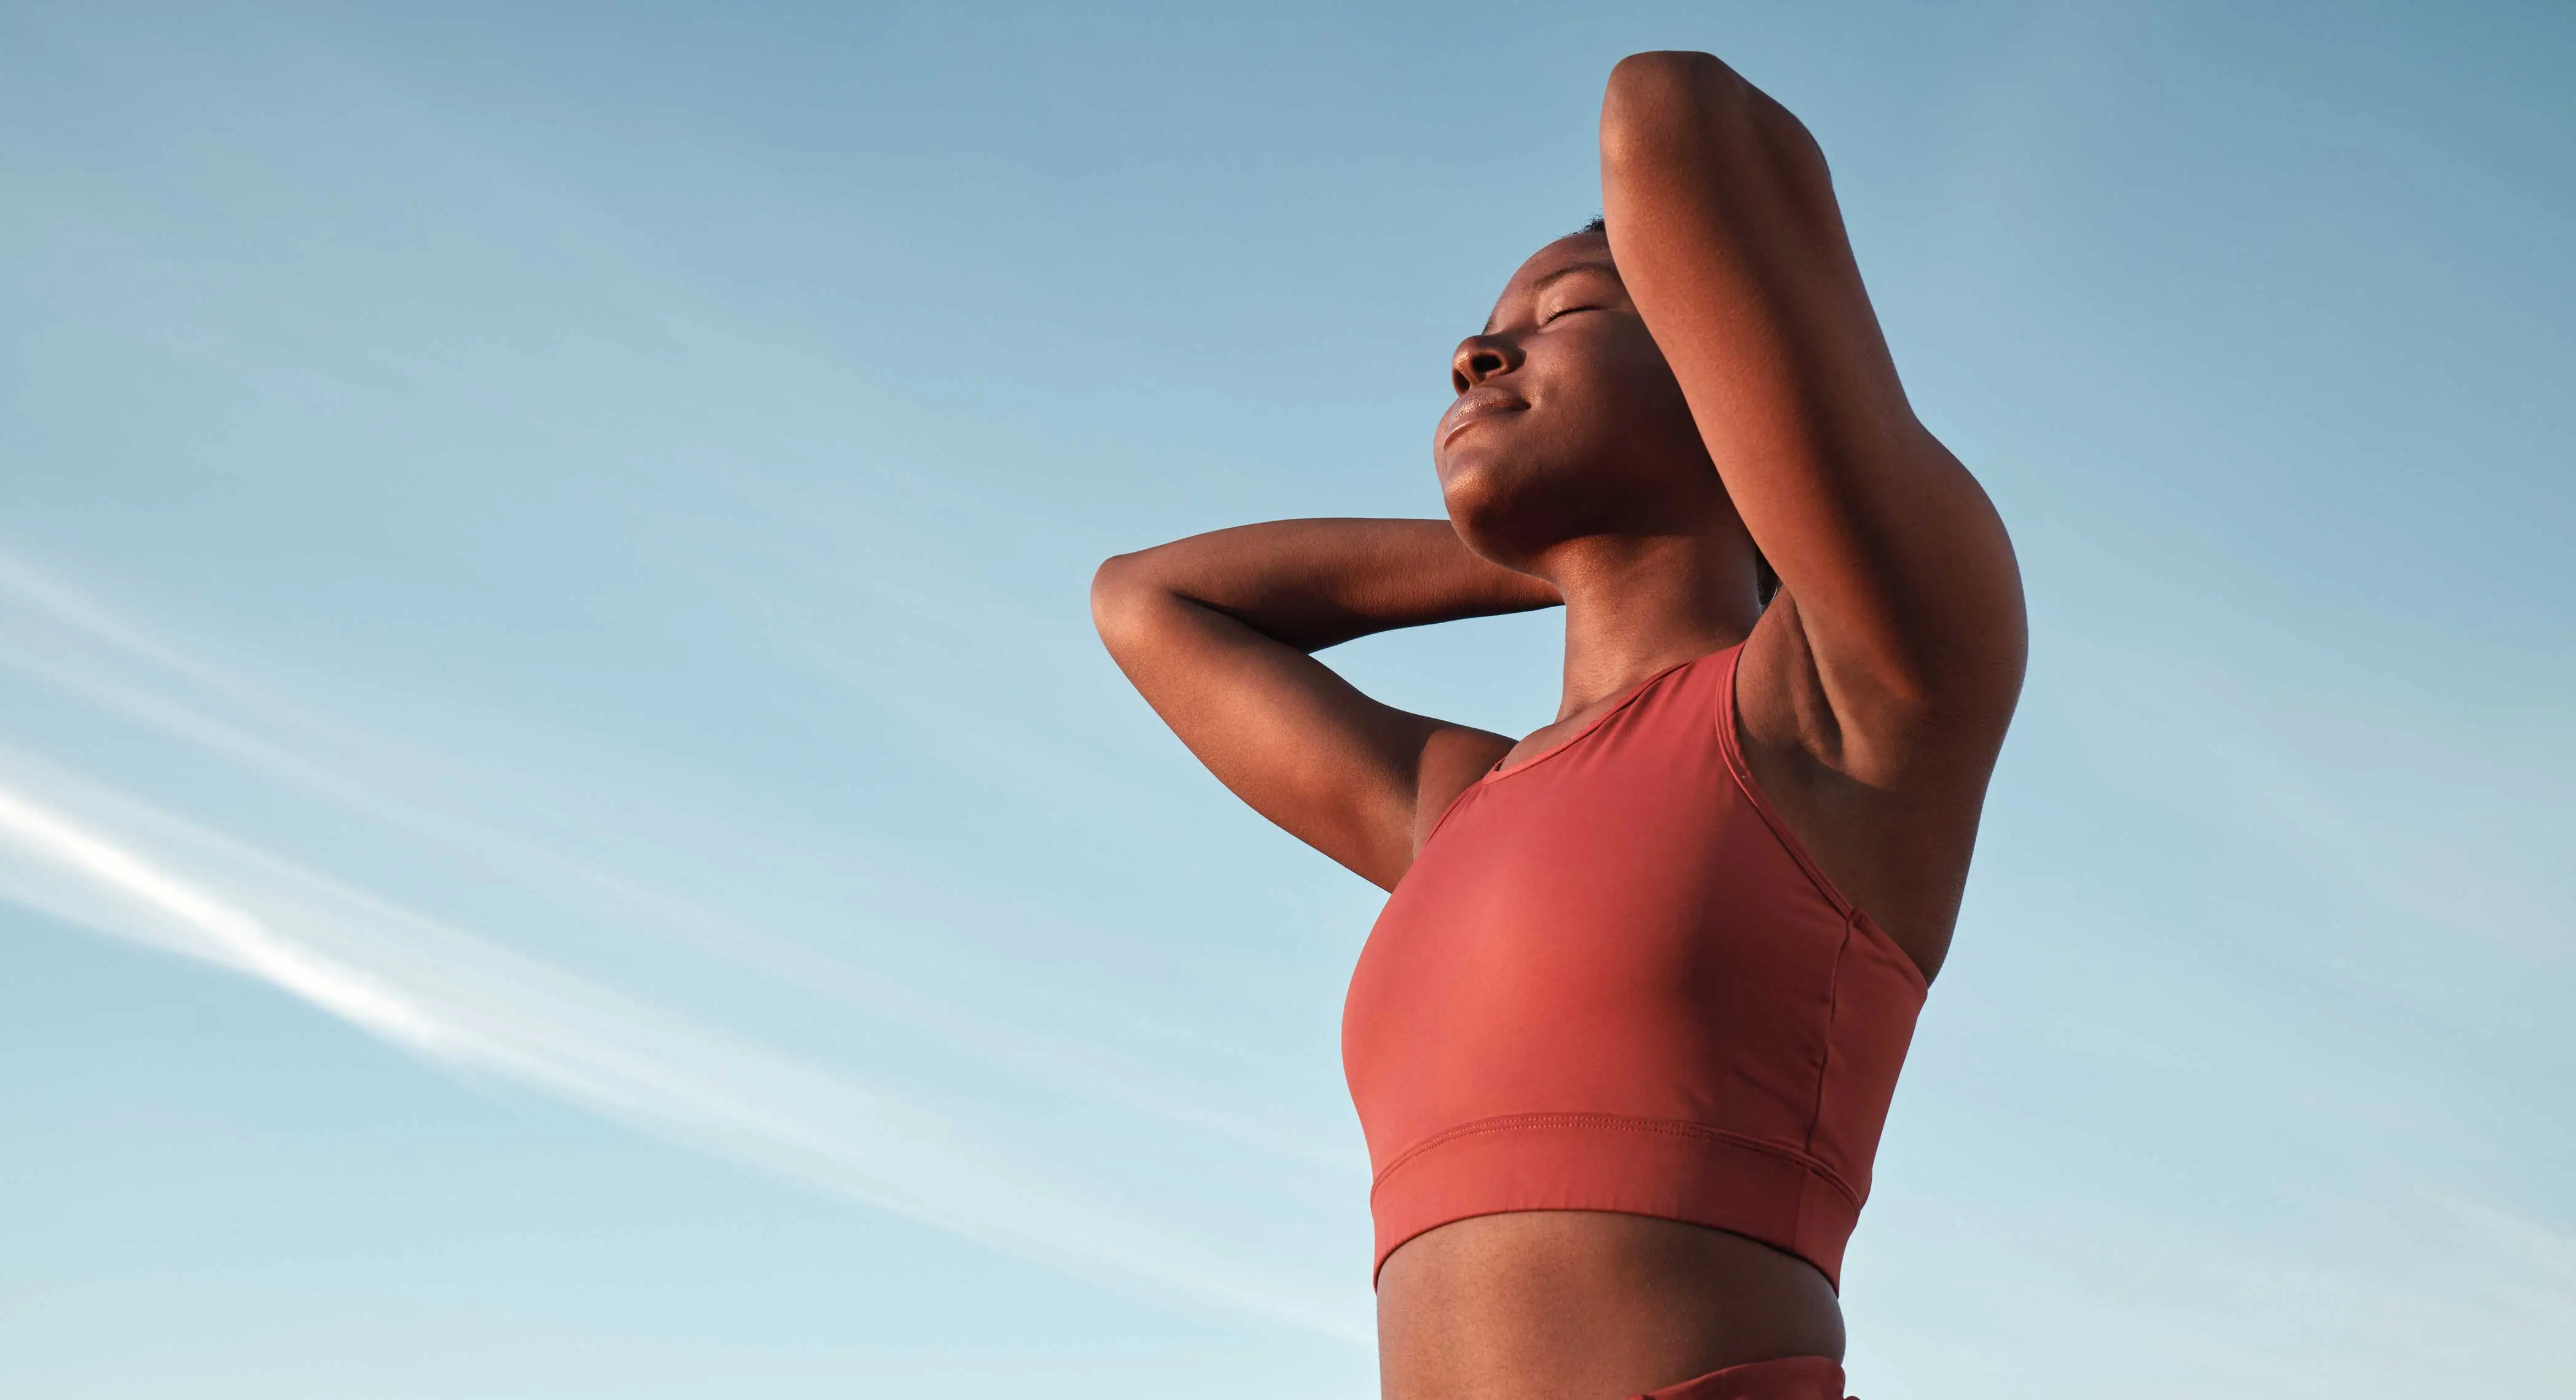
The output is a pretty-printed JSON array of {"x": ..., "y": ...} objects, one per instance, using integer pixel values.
[{"x": 1613, "y": 981}]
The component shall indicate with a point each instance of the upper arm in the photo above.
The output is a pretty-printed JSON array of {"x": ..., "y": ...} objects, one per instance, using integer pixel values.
[
  {"x": 1356, "y": 779},
  {"x": 1724, "y": 226}
]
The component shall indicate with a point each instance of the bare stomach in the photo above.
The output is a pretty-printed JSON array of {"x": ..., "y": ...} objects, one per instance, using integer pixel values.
[{"x": 1587, "y": 1305}]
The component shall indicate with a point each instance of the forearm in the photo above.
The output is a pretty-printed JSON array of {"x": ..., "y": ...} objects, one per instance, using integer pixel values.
[{"x": 1311, "y": 584}]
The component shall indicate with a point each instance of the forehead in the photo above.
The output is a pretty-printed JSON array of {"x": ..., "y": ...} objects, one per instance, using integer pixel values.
[{"x": 1575, "y": 250}]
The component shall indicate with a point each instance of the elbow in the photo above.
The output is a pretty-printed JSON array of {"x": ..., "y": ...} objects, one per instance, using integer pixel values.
[
  {"x": 1643, "y": 80},
  {"x": 1113, "y": 591},
  {"x": 1668, "y": 112},
  {"x": 1123, "y": 592},
  {"x": 1655, "y": 98}
]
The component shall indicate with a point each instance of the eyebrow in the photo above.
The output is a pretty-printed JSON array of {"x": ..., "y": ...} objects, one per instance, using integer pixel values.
[{"x": 1542, "y": 284}]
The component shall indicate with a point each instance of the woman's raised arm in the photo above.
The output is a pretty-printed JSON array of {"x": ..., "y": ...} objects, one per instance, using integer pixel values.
[{"x": 1900, "y": 584}]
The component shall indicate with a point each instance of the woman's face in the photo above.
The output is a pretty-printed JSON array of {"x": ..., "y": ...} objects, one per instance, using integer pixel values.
[{"x": 1568, "y": 423}]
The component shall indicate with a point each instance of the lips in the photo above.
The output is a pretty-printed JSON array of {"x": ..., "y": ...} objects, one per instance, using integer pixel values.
[{"x": 1476, "y": 405}]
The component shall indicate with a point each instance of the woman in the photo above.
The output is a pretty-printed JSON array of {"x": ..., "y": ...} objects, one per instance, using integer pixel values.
[{"x": 1624, "y": 1037}]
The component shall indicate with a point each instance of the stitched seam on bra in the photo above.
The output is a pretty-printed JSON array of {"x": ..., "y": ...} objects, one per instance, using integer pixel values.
[
  {"x": 1833, "y": 1018},
  {"x": 1742, "y": 771},
  {"x": 1635, "y": 693},
  {"x": 1445, "y": 814},
  {"x": 1494, "y": 775},
  {"x": 1663, "y": 1127}
]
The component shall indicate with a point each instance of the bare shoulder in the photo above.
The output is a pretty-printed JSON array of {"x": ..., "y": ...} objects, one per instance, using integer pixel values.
[{"x": 1454, "y": 758}]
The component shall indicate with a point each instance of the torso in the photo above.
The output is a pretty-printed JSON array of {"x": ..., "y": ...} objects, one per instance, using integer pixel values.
[
  {"x": 1565, "y": 1302},
  {"x": 1546, "y": 1305}
]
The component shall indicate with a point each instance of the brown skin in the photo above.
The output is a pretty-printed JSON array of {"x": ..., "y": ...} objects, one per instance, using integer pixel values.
[{"x": 1640, "y": 410}]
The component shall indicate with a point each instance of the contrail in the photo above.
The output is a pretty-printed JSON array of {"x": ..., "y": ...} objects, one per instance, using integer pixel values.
[{"x": 464, "y": 1003}]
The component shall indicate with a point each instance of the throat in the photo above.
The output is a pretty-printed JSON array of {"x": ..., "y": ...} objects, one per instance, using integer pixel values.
[{"x": 1644, "y": 607}]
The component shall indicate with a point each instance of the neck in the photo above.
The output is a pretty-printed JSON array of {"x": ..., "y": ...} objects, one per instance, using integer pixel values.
[{"x": 1635, "y": 605}]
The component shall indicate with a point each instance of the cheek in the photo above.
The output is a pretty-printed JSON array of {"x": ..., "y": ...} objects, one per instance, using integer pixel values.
[
  {"x": 1651, "y": 419},
  {"x": 1633, "y": 368},
  {"x": 1574, "y": 380},
  {"x": 1610, "y": 390}
]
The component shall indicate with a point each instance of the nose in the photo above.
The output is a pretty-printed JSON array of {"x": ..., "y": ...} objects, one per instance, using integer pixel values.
[{"x": 1479, "y": 358}]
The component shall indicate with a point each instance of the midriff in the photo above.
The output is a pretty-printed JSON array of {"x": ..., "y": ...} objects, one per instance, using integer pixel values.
[{"x": 1541, "y": 1305}]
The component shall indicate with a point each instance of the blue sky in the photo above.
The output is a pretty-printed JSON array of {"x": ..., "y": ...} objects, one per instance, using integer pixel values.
[{"x": 563, "y": 831}]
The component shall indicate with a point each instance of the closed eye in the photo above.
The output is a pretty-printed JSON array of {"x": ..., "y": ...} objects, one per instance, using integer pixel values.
[{"x": 1567, "y": 311}]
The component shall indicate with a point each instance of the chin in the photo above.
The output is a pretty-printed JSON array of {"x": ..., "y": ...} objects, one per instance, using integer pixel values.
[{"x": 1509, "y": 516}]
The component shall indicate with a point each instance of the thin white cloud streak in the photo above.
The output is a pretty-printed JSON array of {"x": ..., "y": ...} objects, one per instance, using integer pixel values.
[
  {"x": 2380, "y": 830},
  {"x": 2465, "y": 1299},
  {"x": 222, "y": 934},
  {"x": 124, "y": 869},
  {"x": 36, "y": 589},
  {"x": 1061, "y": 1061}
]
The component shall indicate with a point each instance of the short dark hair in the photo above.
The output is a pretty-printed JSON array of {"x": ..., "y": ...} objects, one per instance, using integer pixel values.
[{"x": 1598, "y": 225}]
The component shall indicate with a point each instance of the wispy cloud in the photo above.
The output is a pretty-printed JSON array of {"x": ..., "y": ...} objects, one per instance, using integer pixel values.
[
  {"x": 180, "y": 917},
  {"x": 127, "y": 667},
  {"x": 116, "y": 864},
  {"x": 108, "y": 863}
]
